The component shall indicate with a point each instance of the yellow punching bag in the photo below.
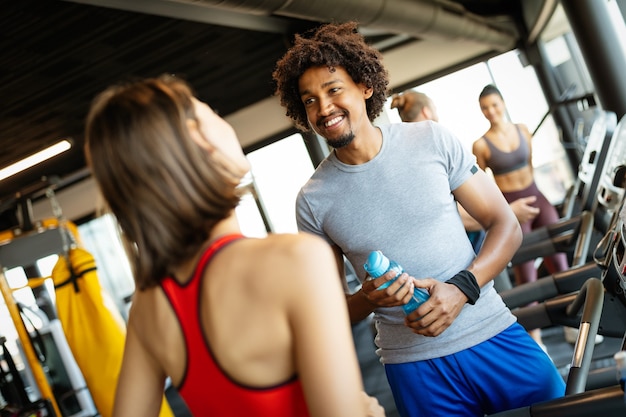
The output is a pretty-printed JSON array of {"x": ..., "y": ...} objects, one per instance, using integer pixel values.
[{"x": 94, "y": 328}]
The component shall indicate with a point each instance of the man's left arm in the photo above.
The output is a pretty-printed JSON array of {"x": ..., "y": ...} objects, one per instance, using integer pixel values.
[{"x": 483, "y": 200}]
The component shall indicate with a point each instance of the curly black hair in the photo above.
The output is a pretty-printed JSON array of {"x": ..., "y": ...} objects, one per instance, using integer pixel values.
[{"x": 331, "y": 45}]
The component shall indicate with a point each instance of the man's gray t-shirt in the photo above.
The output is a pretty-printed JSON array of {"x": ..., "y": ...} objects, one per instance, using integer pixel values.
[{"x": 401, "y": 203}]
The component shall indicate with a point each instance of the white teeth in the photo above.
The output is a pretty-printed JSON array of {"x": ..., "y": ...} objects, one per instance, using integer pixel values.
[{"x": 333, "y": 121}]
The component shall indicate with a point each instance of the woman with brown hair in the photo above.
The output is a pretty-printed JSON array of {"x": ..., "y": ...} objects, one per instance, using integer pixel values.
[{"x": 212, "y": 307}]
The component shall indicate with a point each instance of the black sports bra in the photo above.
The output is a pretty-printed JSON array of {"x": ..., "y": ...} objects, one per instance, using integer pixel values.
[{"x": 504, "y": 162}]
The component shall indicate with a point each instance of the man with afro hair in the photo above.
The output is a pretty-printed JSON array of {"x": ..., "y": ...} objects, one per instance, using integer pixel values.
[{"x": 394, "y": 188}]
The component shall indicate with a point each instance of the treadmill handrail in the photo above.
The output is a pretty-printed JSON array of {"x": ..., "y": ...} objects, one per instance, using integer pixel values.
[
  {"x": 550, "y": 286},
  {"x": 591, "y": 300}
]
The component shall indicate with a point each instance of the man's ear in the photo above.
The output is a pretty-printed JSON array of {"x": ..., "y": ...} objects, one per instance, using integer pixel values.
[
  {"x": 197, "y": 136},
  {"x": 368, "y": 92}
]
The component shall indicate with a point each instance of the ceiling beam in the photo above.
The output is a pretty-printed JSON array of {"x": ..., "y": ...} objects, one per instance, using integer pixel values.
[{"x": 197, "y": 13}]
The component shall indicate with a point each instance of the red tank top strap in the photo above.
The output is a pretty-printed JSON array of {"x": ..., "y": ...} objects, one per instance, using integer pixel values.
[
  {"x": 185, "y": 300},
  {"x": 218, "y": 244}
]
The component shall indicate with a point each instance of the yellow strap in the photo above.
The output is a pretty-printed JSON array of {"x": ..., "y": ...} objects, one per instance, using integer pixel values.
[{"x": 35, "y": 282}]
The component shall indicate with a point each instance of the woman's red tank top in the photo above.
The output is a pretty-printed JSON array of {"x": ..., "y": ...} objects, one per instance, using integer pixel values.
[{"x": 205, "y": 388}]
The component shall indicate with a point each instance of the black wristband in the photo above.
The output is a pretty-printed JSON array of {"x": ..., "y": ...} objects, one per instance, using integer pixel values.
[{"x": 466, "y": 282}]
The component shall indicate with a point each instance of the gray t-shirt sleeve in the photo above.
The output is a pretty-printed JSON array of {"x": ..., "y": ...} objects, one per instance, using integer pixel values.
[
  {"x": 461, "y": 162},
  {"x": 306, "y": 220},
  {"x": 304, "y": 217}
]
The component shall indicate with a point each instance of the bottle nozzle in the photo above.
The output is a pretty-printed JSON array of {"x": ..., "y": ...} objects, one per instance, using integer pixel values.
[{"x": 377, "y": 264}]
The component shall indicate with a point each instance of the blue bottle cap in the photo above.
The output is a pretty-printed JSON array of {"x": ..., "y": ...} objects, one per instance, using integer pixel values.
[{"x": 377, "y": 264}]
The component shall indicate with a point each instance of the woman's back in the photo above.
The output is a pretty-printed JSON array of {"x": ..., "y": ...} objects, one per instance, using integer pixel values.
[{"x": 255, "y": 304}]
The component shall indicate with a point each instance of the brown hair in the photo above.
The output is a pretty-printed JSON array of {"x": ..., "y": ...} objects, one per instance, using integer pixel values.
[
  {"x": 331, "y": 45},
  {"x": 410, "y": 104},
  {"x": 164, "y": 190}
]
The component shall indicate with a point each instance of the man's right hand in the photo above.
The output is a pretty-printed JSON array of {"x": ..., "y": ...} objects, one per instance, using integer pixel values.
[{"x": 397, "y": 293}]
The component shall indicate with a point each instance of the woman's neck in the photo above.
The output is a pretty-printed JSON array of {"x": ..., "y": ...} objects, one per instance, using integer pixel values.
[
  {"x": 228, "y": 226},
  {"x": 501, "y": 126}
]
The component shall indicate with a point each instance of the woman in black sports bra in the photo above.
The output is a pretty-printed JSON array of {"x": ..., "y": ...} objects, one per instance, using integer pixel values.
[{"x": 506, "y": 149}]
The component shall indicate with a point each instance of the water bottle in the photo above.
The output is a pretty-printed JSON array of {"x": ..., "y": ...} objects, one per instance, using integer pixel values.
[{"x": 378, "y": 264}]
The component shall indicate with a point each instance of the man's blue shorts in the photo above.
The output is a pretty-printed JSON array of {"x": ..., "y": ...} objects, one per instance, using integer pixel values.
[{"x": 505, "y": 372}]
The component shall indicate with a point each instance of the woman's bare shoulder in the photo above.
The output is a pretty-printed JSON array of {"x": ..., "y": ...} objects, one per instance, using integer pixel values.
[
  {"x": 148, "y": 307},
  {"x": 303, "y": 251},
  {"x": 151, "y": 314},
  {"x": 479, "y": 145},
  {"x": 292, "y": 243},
  {"x": 524, "y": 129}
]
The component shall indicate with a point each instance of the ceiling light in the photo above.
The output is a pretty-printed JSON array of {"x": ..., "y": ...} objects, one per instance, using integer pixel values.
[{"x": 35, "y": 159}]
